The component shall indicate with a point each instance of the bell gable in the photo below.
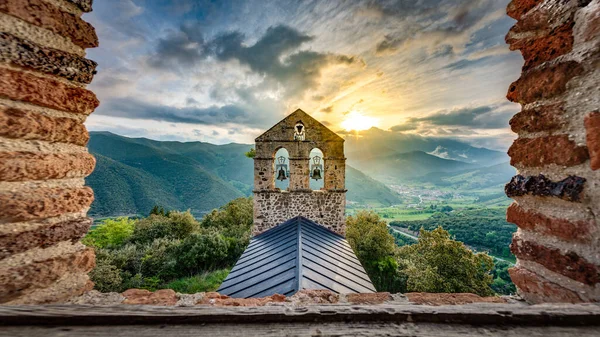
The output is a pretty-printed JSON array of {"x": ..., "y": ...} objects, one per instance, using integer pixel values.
[{"x": 299, "y": 126}]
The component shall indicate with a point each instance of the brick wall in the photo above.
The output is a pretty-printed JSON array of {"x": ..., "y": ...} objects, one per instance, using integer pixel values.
[
  {"x": 557, "y": 154},
  {"x": 43, "y": 155}
]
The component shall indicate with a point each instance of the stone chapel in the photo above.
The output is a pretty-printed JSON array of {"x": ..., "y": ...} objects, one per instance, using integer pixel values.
[{"x": 299, "y": 134}]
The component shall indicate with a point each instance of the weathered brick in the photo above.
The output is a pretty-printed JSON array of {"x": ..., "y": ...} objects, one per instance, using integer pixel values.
[
  {"x": 369, "y": 298},
  {"x": 543, "y": 83},
  {"x": 592, "y": 138},
  {"x": 32, "y": 56},
  {"x": 541, "y": 118},
  {"x": 535, "y": 289},
  {"x": 557, "y": 42},
  {"x": 566, "y": 230},
  {"x": 592, "y": 25},
  {"x": 73, "y": 230},
  {"x": 536, "y": 152},
  {"x": 143, "y": 296},
  {"x": 24, "y": 124},
  {"x": 48, "y": 16},
  {"x": 450, "y": 299},
  {"x": 46, "y": 92},
  {"x": 569, "y": 264},
  {"x": 517, "y": 8},
  {"x": 84, "y": 5},
  {"x": 43, "y": 203},
  {"x": 41, "y": 274},
  {"x": 570, "y": 188},
  {"x": 23, "y": 166}
]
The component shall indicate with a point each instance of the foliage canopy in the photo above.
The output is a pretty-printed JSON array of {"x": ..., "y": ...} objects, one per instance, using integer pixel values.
[{"x": 170, "y": 249}]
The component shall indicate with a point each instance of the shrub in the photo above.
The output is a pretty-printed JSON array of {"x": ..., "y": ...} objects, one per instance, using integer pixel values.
[
  {"x": 159, "y": 259},
  {"x": 209, "y": 281},
  {"x": 436, "y": 263},
  {"x": 201, "y": 252},
  {"x": 106, "y": 277},
  {"x": 110, "y": 233},
  {"x": 175, "y": 225},
  {"x": 171, "y": 245},
  {"x": 375, "y": 248},
  {"x": 369, "y": 236},
  {"x": 233, "y": 220}
]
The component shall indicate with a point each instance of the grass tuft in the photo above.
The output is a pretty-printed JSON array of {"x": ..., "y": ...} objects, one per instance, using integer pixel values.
[{"x": 209, "y": 281}]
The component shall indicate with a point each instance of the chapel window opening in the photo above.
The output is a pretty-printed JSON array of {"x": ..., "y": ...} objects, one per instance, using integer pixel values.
[
  {"x": 316, "y": 169},
  {"x": 282, "y": 169}
]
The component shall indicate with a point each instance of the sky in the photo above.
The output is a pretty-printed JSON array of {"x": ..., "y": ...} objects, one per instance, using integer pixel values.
[{"x": 225, "y": 71}]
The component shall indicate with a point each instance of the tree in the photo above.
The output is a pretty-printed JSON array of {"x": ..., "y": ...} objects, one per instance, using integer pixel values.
[
  {"x": 375, "y": 248},
  {"x": 234, "y": 221},
  {"x": 251, "y": 153},
  {"x": 447, "y": 209},
  {"x": 436, "y": 263},
  {"x": 175, "y": 225},
  {"x": 110, "y": 233}
]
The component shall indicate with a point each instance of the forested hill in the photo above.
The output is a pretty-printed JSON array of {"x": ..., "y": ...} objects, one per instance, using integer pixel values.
[{"x": 134, "y": 174}]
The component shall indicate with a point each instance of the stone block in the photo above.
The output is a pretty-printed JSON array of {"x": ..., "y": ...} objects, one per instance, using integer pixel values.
[
  {"x": 541, "y": 151},
  {"x": 538, "y": 119},
  {"x": 46, "y": 92},
  {"x": 544, "y": 83},
  {"x": 22, "y": 166},
  {"x": 517, "y": 8},
  {"x": 537, "y": 50},
  {"x": 570, "y": 188},
  {"x": 31, "y": 56},
  {"x": 29, "y": 125},
  {"x": 45, "y": 236},
  {"x": 45, "y": 15},
  {"x": 43, "y": 273},
  {"x": 567, "y": 263},
  {"x": 535, "y": 289},
  {"x": 592, "y": 138},
  {"x": 143, "y": 296},
  {"x": 567, "y": 230},
  {"x": 41, "y": 203}
]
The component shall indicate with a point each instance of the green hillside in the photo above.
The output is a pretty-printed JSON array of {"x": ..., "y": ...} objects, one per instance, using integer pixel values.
[
  {"x": 124, "y": 190},
  {"x": 134, "y": 174},
  {"x": 130, "y": 177},
  {"x": 365, "y": 191},
  {"x": 394, "y": 167}
]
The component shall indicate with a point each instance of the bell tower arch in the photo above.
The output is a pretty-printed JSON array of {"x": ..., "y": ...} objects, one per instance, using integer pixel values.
[{"x": 299, "y": 133}]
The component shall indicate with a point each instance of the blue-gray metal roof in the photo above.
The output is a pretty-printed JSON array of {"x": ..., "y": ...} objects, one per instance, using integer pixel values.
[{"x": 297, "y": 254}]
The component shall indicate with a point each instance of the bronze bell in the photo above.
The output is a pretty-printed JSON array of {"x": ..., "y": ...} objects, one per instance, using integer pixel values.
[
  {"x": 315, "y": 172},
  {"x": 316, "y": 175},
  {"x": 281, "y": 175}
]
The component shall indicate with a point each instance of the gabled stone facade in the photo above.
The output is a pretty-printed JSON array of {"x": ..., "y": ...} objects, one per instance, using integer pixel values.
[{"x": 273, "y": 206}]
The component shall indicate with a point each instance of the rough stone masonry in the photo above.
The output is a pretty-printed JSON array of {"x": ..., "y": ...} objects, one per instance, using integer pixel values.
[
  {"x": 43, "y": 154},
  {"x": 557, "y": 153},
  {"x": 273, "y": 206}
]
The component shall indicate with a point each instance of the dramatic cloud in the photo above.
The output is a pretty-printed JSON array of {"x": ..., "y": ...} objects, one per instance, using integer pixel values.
[
  {"x": 327, "y": 109},
  {"x": 486, "y": 117},
  {"x": 404, "y": 127},
  {"x": 132, "y": 108},
  {"x": 225, "y": 70},
  {"x": 453, "y": 25},
  {"x": 275, "y": 55},
  {"x": 182, "y": 48}
]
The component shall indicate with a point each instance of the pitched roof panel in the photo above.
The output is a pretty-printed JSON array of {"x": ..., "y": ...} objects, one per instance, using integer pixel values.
[{"x": 297, "y": 254}]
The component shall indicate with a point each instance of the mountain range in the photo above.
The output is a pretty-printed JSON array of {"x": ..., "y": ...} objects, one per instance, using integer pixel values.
[
  {"x": 395, "y": 157},
  {"x": 134, "y": 174}
]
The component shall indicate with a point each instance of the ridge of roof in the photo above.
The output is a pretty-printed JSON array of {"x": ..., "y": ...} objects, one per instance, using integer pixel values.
[{"x": 297, "y": 254}]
